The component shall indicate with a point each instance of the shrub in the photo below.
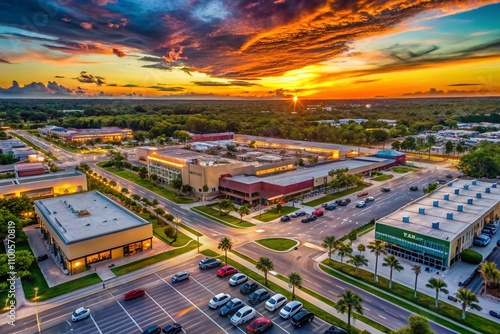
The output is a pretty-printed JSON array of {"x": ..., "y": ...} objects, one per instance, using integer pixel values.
[
  {"x": 471, "y": 256},
  {"x": 169, "y": 231}
]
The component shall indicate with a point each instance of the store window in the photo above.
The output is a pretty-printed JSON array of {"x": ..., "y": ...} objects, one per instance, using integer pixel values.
[
  {"x": 146, "y": 244},
  {"x": 93, "y": 258},
  {"x": 131, "y": 249},
  {"x": 105, "y": 255}
]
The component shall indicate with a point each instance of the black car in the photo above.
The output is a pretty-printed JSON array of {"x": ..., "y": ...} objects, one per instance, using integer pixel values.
[
  {"x": 302, "y": 318},
  {"x": 309, "y": 218},
  {"x": 466, "y": 282},
  {"x": 230, "y": 308},
  {"x": 413, "y": 188},
  {"x": 337, "y": 201},
  {"x": 348, "y": 200},
  {"x": 42, "y": 257},
  {"x": 495, "y": 314},
  {"x": 331, "y": 206},
  {"x": 248, "y": 287},
  {"x": 335, "y": 330},
  {"x": 172, "y": 328},
  {"x": 285, "y": 218},
  {"x": 449, "y": 176},
  {"x": 209, "y": 262},
  {"x": 386, "y": 189},
  {"x": 298, "y": 214},
  {"x": 152, "y": 330},
  {"x": 343, "y": 203},
  {"x": 258, "y": 296}
]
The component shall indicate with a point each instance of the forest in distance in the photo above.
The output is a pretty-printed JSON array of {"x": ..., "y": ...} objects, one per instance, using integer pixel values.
[{"x": 271, "y": 118}]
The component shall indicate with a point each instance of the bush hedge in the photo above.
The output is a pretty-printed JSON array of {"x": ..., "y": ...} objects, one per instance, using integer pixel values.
[{"x": 471, "y": 256}]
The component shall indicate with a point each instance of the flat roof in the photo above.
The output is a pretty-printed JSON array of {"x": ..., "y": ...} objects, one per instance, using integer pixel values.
[
  {"x": 106, "y": 216},
  {"x": 305, "y": 174},
  {"x": 448, "y": 228},
  {"x": 51, "y": 176}
]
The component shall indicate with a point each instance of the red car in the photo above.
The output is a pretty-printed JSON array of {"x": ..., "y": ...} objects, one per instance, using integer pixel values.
[
  {"x": 134, "y": 294},
  {"x": 259, "y": 325},
  {"x": 363, "y": 194},
  {"x": 318, "y": 212},
  {"x": 226, "y": 270}
]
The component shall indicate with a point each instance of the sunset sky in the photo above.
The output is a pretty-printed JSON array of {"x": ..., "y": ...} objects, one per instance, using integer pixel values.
[{"x": 249, "y": 49}]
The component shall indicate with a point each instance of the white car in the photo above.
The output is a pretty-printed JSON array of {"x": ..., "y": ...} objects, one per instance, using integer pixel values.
[
  {"x": 219, "y": 300},
  {"x": 360, "y": 204},
  {"x": 275, "y": 302},
  {"x": 370, "y": 199},
  {"x": 238, "y": 279},
  {"x": 290, "y": 309},
  {"x": 243, "y": 315},
  {"x": 80, "y": 314}
]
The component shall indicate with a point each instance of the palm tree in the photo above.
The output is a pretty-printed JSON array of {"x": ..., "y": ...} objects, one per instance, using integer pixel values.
[
  {"x": 243, "y": 210},
  {"x": 295, "y": 281},
  {"x": 358, "y": 260},
  {"x": 265, "y": 265},
  {"x": 417, "y": 269},
  {"x": 376, "y": 247},
  {"x": 348, "y": 301},
  {"x": 439, "y": 285},
  {"x": 361, "y": 248},
  {"x": 393, "y": 263},
  {"x": 225, "y": 244},
  {"x": 468, "y": 299},
  {"x": 330, "y": 242},
  {"x": 487, "y": 271},
  {"x": 343, "y": 250}
]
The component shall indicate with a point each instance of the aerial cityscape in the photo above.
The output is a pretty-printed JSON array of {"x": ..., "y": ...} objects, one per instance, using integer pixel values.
[{"x": 249, "y": 167}]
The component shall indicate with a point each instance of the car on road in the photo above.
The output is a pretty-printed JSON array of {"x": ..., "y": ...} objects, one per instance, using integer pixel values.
[
  {"x": 343, "y": 203},
  {"x": 360, "y": 204},
  {"x": 237, "y": 279},
  {"x": 386, "y": 189},
  {"x": 365, "y": 193},
  {"x": 441, "y": 181},
  {"x": 226, "y": 270},
  {"x": 243, "y": 315},
  {"x": 324, "y": 205},
  {"x": 231, "y": 307},
  {"x": 302, "y": 318},
  {"x": 219, "y": 300},
  {"x": 42, "y": 257},
  {"x": 335, "y": 330},
  {"x": 452, "y": 298},
  {"x": 172, "y": 328},
  {"x": 133, "y": 294},
  {"x": 275, "y": 302},
  {"x": 209, "y": 262},
  {"x": 152, "y": 330},
  {"x": 248, "y": 288},
  {"x": 449, "y": 176},
  {"x": 290, "y": 309},
  {"x": 331, "y": 206},
  {"x": 285, "y": 218},
  {"x": 318, "y": 212},
  {"x": 259, "y": 325},
  {"x": 495, "y": 314},
  {"x": 369, "y": 199},
  {"x": 298, "y": 214},
  {"x": 309, "y": 218},
  {"x": 258, "y": 296},
  {"x": 180, "y": 276},
  {"x": 348, "y": 200},
  {"x": 80, "y": 314},
  {"x": 481, "y": 240},
  {"x": 414, "y": 188}
]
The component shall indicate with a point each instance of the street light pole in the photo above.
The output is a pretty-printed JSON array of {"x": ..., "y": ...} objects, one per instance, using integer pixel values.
[
  {"x": 198, "y": 241},
  {"x": 36, "y": 310}
]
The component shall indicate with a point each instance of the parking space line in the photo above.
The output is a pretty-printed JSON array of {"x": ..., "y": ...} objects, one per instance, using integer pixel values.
[
  {"x": 123, "y": 308},
  {"x": 163, "y": 309},
  {"x": 204, "y": 287},
  {"x": 95, "y": 323},
  {"x": 190, "y": 302}
]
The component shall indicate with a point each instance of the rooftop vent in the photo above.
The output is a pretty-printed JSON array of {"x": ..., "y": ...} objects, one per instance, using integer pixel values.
[
  {"x": 406, "y": 219},
  {"x": 478, "y": 195},
  {"x": 435, "y": 203},
  {"x": 470, "y": 201},
  {"x": 460, "y": 208},
  {"x": 421, "y": 211},
  {"x": 435, "y": 225},
  {"x": 449, "y": 215},
  {"x": 474, "y": 182},
  {"x": 487, "y": 190},
  {"x": 457, "y": 191},
  {"x": 446, "y": 197},
  {"x": 466, "y": 186},
  {"x": 450, "y": 184},
  {"x": 87, "y": 224},
  {"x": 494, "y": 185}
]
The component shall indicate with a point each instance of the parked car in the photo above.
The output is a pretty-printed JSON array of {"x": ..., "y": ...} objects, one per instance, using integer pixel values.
[
  {"x": 285, "y": 218},
  {"x": 275, "y": 302},
  {"x": 243, "y": 315},
  {"x": 386, "y": 189},
  {"x": 331, "y": 206},
  {"x": 42, "y": 257},
  {"x": 152, "y": 330},
  {"x": 80, "y": 314},
  {"x": 249, "y": 287},
  {"x": 324, "y": 205},
  {"x": 441, "y": 181},
  {"x": 343, "y": 203},
  {"x": 309, "y": 218},
  {"x": 449, "y": 176},
  {"x": 481, "y": 240},
  {"x": 258, "y": 296},
  {"x": 495, "y": 314},
  {"x": 219, "y": 300},
  {"x": 452, "y": 298},
  {"x": 360, "y": 204},
  {"x": 209, "y": 262},
  {"x": 466, "y": 282},
  {"x": 237, "y": 279},
  {"x": 491, "y": 228},
  {"x": 298, "y": 214},
  {"x": 318, "y": 212},
  {"x": 302, "y": 318},
  {"x": 487, "y": 231},
  {"x": 369, "y": 199},
  {"x": 133, "y": 294},
  {"x": 335, "y": 330},
  {"x": 226, "y": 270},
  {"x": 180, "y": 276},
  {"x": 259, "y": 325},
  {"x": 290, "y": 309},
  {"x": 231, "y": 307},
  {"x": 172, "y": 328},
  {"x": 348, "y": 200},
  {"x": 414, "y": 188},
  {"x": 363, "y": 194}
]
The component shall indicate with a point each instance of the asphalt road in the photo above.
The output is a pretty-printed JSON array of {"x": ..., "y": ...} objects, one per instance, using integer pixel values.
[{"x": 165, "y": 302}]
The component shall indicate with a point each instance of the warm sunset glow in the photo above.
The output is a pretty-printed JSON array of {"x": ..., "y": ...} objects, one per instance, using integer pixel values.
[{"x": 295, "y": 99}]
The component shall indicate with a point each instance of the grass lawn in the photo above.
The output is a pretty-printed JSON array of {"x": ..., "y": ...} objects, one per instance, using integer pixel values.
[
  {"x": 277, "y": 244},
  {"x": 404, "y": 169},
  {"x": 148, "y": 184},
  {"x": 446, "y": 310},
  {"x": 382, "y": 177},
  {"x": 273, "y": 214},
  {"x": 127, "y": 268},
  {"x": 61, "y": 288},
  {"x": 192, "y": 230},
  {"x": 227, "y": 220},
  {"x": 209, "y": 253},
  {"x": 158, "y": 230},
  {"x": 362, "y": 230},
  {"x": 334, "y": 196}
]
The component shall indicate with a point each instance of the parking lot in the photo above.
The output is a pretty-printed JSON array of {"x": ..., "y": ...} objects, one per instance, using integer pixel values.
[{"x": 165, "y": 302}]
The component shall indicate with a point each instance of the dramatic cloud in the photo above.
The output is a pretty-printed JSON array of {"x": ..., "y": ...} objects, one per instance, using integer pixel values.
[
  {"x": 436, "y": 92},
  {"x": 119, "y": 53},
  {"x": 365, "y": 81},
  {"x": 37, "y": 89},
  {"x": 89, "y": 78},
  {"x": 464, "y": 84},
  {"x": 86, "y": 25},
  {"x": 4, "y": 61}
]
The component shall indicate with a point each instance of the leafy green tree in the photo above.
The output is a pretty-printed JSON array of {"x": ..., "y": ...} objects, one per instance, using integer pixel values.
[
  {"x": 265, "y": 265},
  {"x": 330, "y": 242},
  {"x": 279, "y": 207},
  {"x": 393, "y": 263},
  {"x": 295, "y": 281},
  {"x": 226, "y": 206},
  {"x": 159, "y": 212},
  {"x": 116, "y": 159},
  {"x": 377, "y": 247},
  {"x": 112, "y": 183},
  {"x": 431, "y": 187},
  {"x": 439, "y": 286},
  {"x": 358, "y": 260},
  {"x": 225, "y": 244},
  {"x": 243, "y": 210},
  {"x": 467, "y": 299},
  {"x": 416, "y": 325},
  {"x": 169, "y": 231},
  {"x": 142, "y": 172},
  {"x": 125, "y": 190},
  {"x": 430, "y": 141},
  {"x": 176, "y": 183},
  {"x": 396, "y": 145},
  {"x": 449, "y": 147},
  {"x": 349, "y": 301},
  {"x": 136, "y": 197},
  {"x": 417, "y": 269},
  {"x": 154, "y": 202},
  {"x": 482, "y": 162}
]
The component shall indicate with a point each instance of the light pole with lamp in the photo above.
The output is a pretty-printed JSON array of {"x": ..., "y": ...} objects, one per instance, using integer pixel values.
[{"x": 36, "y": 310}]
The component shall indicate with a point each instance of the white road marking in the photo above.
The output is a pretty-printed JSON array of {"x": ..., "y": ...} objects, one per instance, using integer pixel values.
[
  {"x": 163, "y": 310},
  {"x": 382, "y": 317},
  {"x": 126, "y": 311},
  {"x": 395, "y": 315},
  {"x": 95, "y": 323},
  {"x": 338, "y": 286},
  {"x": 366, "y": 308},
  {"x": 69, "y": 323}
]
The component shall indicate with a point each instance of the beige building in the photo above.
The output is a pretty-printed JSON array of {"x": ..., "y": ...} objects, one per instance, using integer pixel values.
[
  {"x": 85, "y": 228},
  {"x": 44, "y": 185}
]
